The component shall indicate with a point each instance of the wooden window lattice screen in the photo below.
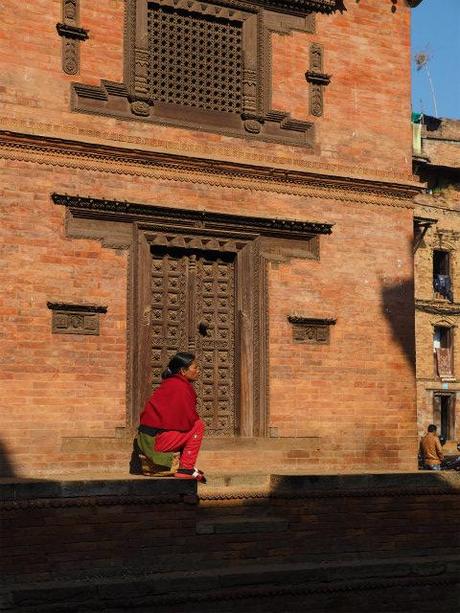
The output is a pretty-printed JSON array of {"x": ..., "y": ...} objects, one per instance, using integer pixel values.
[{"x": 196, "y": 59}]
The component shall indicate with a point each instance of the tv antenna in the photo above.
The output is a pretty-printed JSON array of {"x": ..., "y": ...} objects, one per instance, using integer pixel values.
[{"x": 422, "y": 60}]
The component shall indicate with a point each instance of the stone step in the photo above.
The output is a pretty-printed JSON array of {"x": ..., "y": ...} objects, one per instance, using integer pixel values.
[{"x": 386, "y": 585}]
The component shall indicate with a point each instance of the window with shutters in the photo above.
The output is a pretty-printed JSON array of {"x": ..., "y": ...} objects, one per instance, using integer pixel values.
[{"x": 443, "y": 352}]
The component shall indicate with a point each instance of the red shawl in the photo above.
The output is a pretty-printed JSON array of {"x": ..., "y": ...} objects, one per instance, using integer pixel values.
[{"x": 172, "y": 406}]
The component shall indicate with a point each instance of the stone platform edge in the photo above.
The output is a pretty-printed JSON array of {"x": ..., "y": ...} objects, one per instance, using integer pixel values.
[{"x": 165, "y": 489}]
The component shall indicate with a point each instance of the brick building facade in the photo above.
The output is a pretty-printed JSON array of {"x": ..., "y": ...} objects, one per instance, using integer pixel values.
[
  {"x": 437, "y": 161},
  {"x": 230, "y": 177}
]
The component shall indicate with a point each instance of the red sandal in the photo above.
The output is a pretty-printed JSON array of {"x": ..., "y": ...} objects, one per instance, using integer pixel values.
[{"x": 193, "y": 473}]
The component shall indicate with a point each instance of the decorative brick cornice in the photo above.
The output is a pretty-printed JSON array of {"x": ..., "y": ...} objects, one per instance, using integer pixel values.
[
  {"x": 250, "y": 496},
  {"x": 227, "y": 174},
  {"x": 255, "y": 495},
  {"x": 314, "y": 321}
]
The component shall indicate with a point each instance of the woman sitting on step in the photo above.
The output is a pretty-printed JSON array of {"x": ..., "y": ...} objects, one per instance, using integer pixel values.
[{"x": 170, "y": 423}]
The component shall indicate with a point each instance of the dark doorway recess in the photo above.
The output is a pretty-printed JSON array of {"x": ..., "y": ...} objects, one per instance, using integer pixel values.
[{"x": 444, "y": 414}]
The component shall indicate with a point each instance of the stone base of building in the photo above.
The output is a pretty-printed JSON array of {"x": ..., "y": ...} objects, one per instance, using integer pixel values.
[
  {"x": 307, "y": 455},
  {"x": 384, "y": 542}
]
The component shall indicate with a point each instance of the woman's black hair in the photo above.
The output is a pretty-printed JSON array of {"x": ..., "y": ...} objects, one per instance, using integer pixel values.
[{"x": 176, "y": 363}]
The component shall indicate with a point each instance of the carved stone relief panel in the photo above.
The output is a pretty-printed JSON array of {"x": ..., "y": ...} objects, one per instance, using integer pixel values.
[
  {"x": 71, "y": 34},
  {"x": 74, "y": 318},
  {"x": 311, "y": 330},
  {"x": 317, "y": 79}
]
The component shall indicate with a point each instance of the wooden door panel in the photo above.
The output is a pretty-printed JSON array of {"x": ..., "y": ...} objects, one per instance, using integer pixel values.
[{"x": 193, "y": 309}]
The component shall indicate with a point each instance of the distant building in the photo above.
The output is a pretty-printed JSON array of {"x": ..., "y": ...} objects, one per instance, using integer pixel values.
[{"x": 437, "y": 275}]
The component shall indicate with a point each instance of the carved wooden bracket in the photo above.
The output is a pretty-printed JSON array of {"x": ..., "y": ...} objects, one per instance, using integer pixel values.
[
  {"x": 75, "y": 318},
  {"x": 311, "y": 329},
  {"x": 71, "y": 34},
  {"x": 317, "y": 79},
  {"x": 421, "y": 226}
]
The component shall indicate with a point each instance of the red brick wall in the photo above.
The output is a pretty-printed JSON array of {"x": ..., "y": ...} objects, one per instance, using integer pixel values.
[
  {"x": 356, "y": 393},
  {"x": 55, "y": 385},
  {"x": 366, "y": 122}
]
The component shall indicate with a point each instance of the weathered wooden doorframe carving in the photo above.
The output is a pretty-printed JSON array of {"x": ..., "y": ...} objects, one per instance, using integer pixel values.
[
  {"x": 251, "y": 362},
  {"x": 254, "y": 240}
]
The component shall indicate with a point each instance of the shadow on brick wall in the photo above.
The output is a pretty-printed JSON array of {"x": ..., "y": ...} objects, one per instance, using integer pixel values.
[
  {"x": 6, "y": 466},
  {"x": 398, "y": 308}
]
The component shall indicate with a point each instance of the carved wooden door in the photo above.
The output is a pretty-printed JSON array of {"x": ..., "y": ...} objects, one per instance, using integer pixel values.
[{"x": 193, "y": 309}]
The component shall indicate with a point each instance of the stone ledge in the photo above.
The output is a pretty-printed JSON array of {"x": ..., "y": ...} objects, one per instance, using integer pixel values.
[
  {"x": 97, "y": 490},
  {"x": 22, "y": 490},
  {"x": 372, "y": 482}
]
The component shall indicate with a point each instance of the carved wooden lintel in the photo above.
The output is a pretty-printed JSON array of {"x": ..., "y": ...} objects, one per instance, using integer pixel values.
[
  {"x": 75, "y": 318},
  {"x": 317, "y": 80},
  {"x": 72, "y": 34},
  {"x": 302, "y": 7},
  {"x": 311, "y": 329},
  {"x": 204, "y": 220}
]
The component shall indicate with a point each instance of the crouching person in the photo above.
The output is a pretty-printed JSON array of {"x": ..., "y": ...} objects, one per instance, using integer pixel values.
[{"x": 170, "y": 422}]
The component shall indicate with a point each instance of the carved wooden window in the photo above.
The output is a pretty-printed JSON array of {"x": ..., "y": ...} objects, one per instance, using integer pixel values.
[
  {"x": 202, "y": 66},
  {"x": 197, "y": 60}
]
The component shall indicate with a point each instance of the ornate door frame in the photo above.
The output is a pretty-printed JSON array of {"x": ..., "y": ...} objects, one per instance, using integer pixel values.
[
  {"x": 134, "y": 226},
  {"x": 251, "y": 297}
]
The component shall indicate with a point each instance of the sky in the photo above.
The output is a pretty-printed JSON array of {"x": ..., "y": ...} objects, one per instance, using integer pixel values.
[{"x": 436, "y": 31}]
